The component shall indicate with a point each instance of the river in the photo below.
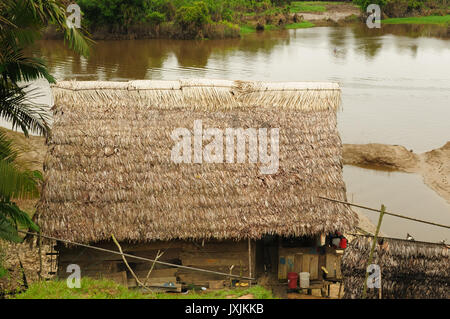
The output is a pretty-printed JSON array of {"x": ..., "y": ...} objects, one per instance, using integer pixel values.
[{"x": 395, "y": 90}]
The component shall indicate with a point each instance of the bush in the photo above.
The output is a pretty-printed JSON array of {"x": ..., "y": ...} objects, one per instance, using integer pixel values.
[
  {"x": 363, "y": 4},
  {"x": 192, "y": 17},
  {"x": 156, "y": 17},
  {"x": 401, "y": 8}
]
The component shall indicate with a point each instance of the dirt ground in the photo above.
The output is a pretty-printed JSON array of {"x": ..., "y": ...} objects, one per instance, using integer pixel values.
[{"x": 335, "y": 12}]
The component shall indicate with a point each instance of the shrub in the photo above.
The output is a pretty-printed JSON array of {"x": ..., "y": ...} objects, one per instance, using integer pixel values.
[
  {"x": 156, "y": 17},
  {"x": 363, "y": 4},
  {"x": 192, "y": 17}
]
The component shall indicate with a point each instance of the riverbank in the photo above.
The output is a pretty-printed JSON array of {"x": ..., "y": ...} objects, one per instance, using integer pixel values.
[
  {"x": 206, "y": 20},
  {"x": 436, "y": 20},
  {"x": 433, "y": 166}
]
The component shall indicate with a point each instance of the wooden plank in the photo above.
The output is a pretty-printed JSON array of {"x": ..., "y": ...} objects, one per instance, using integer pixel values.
[
  {"x": 306, "y": 262},
  {"x": 331, "y": 265},
  {"x": 282, "y": 268},
  {"x": 165, "y": 272},
  {"x": 215, "y": 246},
  {"x": 215, "y": 259},
  {"x": 338, "y": 267},
  {"x": 314, "y": 267},
  {"x": 119, "y": 277},
  {"x": 298, "y": 260},
  {"x": 289, "y": 263}
]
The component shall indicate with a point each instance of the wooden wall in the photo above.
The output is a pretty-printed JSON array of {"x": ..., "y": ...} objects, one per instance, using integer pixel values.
[
  {"x": 310, "y": 259},
  {"x": 212, "y": 255}
]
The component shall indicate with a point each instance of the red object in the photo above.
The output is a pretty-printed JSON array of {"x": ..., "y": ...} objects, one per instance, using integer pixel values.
[
  {"x": 292, "y": 280},
  {"x": 343, "y": 243}
]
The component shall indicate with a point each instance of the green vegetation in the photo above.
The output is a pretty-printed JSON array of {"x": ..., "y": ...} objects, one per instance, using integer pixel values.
[
  {"x": 438, "y": 20},
  {"x": 246, "y": 29},
  {"x": 187, "y": 19},
  {"x": 407, "y": 8},
  {"x": 16, "y": 183},
  {"x": 299, "y": 25},
  {"x": 308, "y": 6},
  {"x": 3, "y": 270},
  {"x": 106, "y": 289}
]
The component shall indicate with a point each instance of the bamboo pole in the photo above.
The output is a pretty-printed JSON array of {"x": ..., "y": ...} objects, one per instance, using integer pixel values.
[
  {"x": 126, "y": 263},
  {"x": 374, "y": 243},
  {"x": 249, "y": 261},
  {"x": 387, "y": 213},
  {"x": 40, "y": 255}
]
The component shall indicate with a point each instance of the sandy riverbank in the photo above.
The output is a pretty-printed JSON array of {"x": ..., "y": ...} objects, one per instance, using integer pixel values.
[
  {"x": 433, "y": 166},
  {"x": 334, "y": 13}
]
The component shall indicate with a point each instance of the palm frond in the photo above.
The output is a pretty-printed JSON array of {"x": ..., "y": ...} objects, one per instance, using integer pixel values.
[
  {"x": 16, "y": 107},
  {"x": 19, "y": 217},
  {"x": 16, "y": 66},
  {"x": 17, "y": 184},
  {"x": 7, "y": 152},
  {"x": 8, "y": 231}
]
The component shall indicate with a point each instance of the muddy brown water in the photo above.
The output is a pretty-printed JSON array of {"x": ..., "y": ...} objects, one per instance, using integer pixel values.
[{"x": 395, "y": 90}]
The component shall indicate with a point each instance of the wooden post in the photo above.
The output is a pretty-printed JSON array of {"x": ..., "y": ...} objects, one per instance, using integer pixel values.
[
  {"x": 249, "y": 261},
  {"x": 380, "y": 292},
  {"x": 40, "y": 255},
  {"x": 374, "y": 243}
]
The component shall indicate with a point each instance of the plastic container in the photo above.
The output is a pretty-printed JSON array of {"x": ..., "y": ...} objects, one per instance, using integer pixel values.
[
  {"x": 304, "y": 279},
  {"x": 292, "y": 280},
  {"x": 343, "y": 243},
  {"x": 335, "y": 242}
]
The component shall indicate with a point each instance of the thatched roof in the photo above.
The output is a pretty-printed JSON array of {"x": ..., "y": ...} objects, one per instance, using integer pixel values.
[
  {"x": 109, "y": 169},
  {"x": 408, "y": 269}
]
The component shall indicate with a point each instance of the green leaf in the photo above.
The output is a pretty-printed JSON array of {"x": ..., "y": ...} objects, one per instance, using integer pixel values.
[
  {"x": 8, "y": 231},
  {"x": 18, "y": 216}
]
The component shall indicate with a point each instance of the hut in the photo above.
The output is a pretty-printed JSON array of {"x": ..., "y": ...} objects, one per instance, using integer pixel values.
[
  {"x": 110, "y": 170},
  {"x": 408, "y": 269}
]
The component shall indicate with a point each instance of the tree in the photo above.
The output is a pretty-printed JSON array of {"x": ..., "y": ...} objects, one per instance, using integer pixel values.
[
  {"x": 16, "y": 183},
  {"x": 22, "y": 22}
]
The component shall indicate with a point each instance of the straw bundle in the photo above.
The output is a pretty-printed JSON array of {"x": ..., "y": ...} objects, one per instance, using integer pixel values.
[
  {"x": 109, "y": 167},
  {"x": 408, "y": 269}
]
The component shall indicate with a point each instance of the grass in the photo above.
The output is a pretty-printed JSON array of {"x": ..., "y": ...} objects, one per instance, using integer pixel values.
[
  {"x": 299, "y": 25},
  {"x": 106, "y": 289},
  {"x": 246, "y": 29},
  {"x": 438, "y": 20},
  {"x": 270, "y": 27},
  {"x": 257, "y": 291},
  {"x": 311, "y": 6}
]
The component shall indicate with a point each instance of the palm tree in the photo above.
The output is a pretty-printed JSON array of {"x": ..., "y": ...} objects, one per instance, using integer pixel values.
[
  {"x": 16, "y": 183},
  {"x": 22, "y": 22}
]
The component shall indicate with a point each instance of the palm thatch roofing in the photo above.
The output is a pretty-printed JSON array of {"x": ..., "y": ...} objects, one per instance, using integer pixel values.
[
  {"x": 108, "y": 168},
  {"x": 409, "y": 269}
]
